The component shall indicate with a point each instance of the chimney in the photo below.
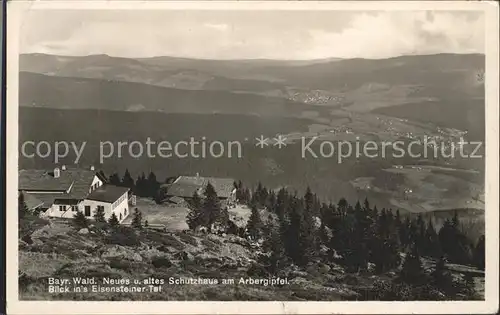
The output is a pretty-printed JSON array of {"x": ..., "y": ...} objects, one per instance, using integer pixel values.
[
  {"x": 57, "y": 172},
  {"x": 92, "y": 168},
  {"x": 63, "y": 168}
]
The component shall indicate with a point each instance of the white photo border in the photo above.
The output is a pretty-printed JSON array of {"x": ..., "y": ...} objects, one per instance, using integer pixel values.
[{"x": 15, "y": 10}]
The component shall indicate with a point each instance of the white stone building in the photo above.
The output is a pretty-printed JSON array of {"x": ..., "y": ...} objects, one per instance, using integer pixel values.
[{"x": 62, "y": 192}]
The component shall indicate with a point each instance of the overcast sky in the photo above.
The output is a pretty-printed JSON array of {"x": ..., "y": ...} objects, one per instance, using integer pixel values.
[{"x": 251, "y": 34}]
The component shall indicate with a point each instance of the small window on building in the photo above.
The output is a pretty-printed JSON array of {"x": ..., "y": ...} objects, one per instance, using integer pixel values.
[
  {"x": 74, "y": 208},
  {"x": 62, "y": 208}
]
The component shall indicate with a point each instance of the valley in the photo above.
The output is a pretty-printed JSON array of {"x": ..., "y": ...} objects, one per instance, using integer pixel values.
[{"x": 409, "y": 98}]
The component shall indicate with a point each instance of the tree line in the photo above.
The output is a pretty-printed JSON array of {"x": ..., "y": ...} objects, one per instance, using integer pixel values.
[
  {"x": 303, "y": 230},
  {"x": 142, "y": 187}
]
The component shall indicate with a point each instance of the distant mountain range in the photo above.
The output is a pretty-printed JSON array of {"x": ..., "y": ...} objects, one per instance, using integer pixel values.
[
  {"x": 444, "y": 89},
  {"x": 439, "y": 75}
]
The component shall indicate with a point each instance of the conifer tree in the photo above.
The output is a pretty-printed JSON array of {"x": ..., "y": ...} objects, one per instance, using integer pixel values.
[
  {"x": 455, "y": 221},
  {"x": 271, "y": 202},
  {"x": 281, "y": 203},
  {"x": 404, "y": 233},
  {"x": 324, "y": 237},
  {"x": 152, "y": 185},
  {"x": 479, "y": 253},
  {"x": 293, "y": 232},
  {"x": 420, "y": 233},
  {"x": 384, "y": 249},
  {"x": 274, "y": 244},
  {"x": 141, "y": 185},
  {"x": 397, "y": 219},
  {"x": 223, "y": 219},
  {"x": 307, "y": 237},
  {"x": 439, "y": 275},
  {"x": 137, "y": 219},
  {"x": 195, "y": 217},
  {"x": 260, "y": 195},
  {"x": 211, "y": 206},
  {"x": 22, "y": 207},
  {"x": 375, "y": 212},
  {"x": 342, "y": 206},
  {"x": 254, "y": 225},
  {"x": 239, "y": 190},
  {"x": 412, "y": 270},
  {"x": 454, "y": 243},
  {"x": 431, "y": 247},
  {"x": 128, "y": 181},
  {"x": 80, "y": 221},
  {"x": 246, "y": 195},
  {"x": 343, "y": 231},
  {"x": 361, "y": 238},
  {"x": 366, "y": 205},
  {"x": 113, "y": 220},
  {"x": 114, "y": 179},
  {"x": 99, "y": 215}
]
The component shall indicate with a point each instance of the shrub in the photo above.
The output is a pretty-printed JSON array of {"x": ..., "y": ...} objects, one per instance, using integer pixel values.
[
  {"x": 389, "y": 291},
  {"x": 30, "y": 223},
  {"x": 100, "y": 226},
  {"x": 188, "y": 239},
  {"x": 137, "y": 219},
  {"x": 123, "y": 236},
  {"x": 400, "y": 291},
  {"x": 160, "y": 262},
  {"x": 113, "y": 221},
  {"x": 171, "y": 241},
  {"x": 80, "y": 221},
  {"x": 99, "y": 215},
  {"x": 121, "y": 264},
  {"x": 210, "y": 245},
  {"x": 257, "y": 270}
]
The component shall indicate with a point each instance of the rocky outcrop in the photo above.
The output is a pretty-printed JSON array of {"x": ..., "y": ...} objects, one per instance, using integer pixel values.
[{"x": 120, "y": 252}]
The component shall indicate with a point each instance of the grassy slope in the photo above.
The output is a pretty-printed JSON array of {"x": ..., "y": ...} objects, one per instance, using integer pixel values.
[
  {"x": 82, "y": 93},
  {"x": 57, "y": 249},
  {"x": 75, "y": 255}
]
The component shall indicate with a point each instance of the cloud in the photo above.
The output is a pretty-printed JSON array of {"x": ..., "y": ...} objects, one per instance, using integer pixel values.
[
  {"x": 294, "y": 35},
  {"x": 391, "y": 34}
]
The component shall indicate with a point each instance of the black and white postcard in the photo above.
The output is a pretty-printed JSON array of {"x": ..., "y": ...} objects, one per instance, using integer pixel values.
[{"x": 252, "y": 157}]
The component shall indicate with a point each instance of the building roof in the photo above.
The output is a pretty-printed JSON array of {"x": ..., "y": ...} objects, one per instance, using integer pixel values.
[
  {"x": 185, "y": 186},
  {"x": 176, "y": 200},
  {"x": 107, "y": 193},
  {"x": 47, "y": 198},
  {"x": 79, "y": 180},
  {"x": 183, "y": 190},
  {"x": 31, "y": 201}
]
